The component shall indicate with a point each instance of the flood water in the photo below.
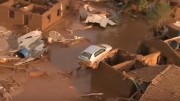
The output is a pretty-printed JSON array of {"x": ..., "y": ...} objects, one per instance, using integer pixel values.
[{"x": 56, "y": 88}]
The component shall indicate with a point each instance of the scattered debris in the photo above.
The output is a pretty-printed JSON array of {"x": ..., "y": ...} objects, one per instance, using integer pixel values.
[
  {"x": 177, "y": 23},
  {"x": 8, "y": 86},
  {"x": 71, "y": 31},
  {"x": 57, "y": 37},
  {"x": 68, "y": 75},
  {"x": 92, "y": 94},
  {"x": 91, "y": 15},
  {"x": 30, "y": 47},
  {"x": 5, "y": 34},
  {"x": 5, "y": 95},
  {"x": 37, "y": 74},
  {"x": 100, "y": 19}
]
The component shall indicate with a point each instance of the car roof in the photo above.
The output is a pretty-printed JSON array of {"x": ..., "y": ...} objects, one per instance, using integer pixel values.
[{"x": 93, "y": 48}]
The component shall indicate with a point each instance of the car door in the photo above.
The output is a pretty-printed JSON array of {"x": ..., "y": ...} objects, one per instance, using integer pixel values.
[{"x": 98, "y": 55}]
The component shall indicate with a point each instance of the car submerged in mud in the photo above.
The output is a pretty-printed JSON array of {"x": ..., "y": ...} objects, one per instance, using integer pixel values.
[{"x": 92, "y": 55}]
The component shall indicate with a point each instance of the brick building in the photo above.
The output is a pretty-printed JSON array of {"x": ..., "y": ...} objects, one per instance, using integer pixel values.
[{"x": 37, "y": 14}]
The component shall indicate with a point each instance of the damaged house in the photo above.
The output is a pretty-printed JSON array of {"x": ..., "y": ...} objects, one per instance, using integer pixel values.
[
  {"x": 133, "y": 72},
  {"x": 162, "y": 83},
  {"x": 168, "y": 49},
  {"x": 114, "y": 69},
  {"x": 134, "y": 77},
  {"x": 36, "y": 14}
]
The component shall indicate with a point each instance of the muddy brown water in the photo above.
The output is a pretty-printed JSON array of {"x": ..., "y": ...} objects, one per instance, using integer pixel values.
[{"x": 56, "y": 88}]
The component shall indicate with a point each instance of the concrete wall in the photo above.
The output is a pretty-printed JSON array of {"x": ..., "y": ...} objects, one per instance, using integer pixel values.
[
  {"x": 53, "y": 16},
  {"x": 35, "y": 21},
  {"x": 110, "y": 82},
  {"x": 4, "y": 14},
  {"x": 177, "y": 13},
  {"x": 18, "y": 16},
  {"x": 63, "y": 7}
]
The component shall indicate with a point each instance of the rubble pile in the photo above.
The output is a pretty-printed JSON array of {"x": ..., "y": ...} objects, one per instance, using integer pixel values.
[
  {"x": 92, "y": 15},
  {"x": 58, "y": 38}
]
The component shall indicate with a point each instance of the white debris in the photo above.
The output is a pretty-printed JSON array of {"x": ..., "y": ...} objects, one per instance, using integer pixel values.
[
  {"x": 54, "y": 35},
  {"x": 31, "y": 46},
  {"x": 61, "y": 38},
  {"x": 99, "y": 18},
  {"x": 111, "y": 23},
  {"x": 92, "y": 94},
  {"x": 27, "y": 39},
  {"x": 177, "y": 23},
  {"x": 88, "y": 7}
]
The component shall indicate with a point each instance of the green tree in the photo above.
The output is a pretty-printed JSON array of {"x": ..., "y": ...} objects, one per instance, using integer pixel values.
[
  {"x": 142, "y": 5},
  {"x": 159, "y": 14}
]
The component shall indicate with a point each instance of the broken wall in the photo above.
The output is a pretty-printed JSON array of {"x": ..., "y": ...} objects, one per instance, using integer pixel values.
[
  {"x": 110, "y": 82},
  {"x": 151, "y": 59},
  {"x": 177, "y": 13},
  {"x": 118, "y": 56},
  {"x": 128, "y": 66},
  {"x": 124, "y": 61},
  {"x": 11, "y": 16},
  {"x": 165, "y": 50},
  {"x": 35, "y": 21},
  {"x": 54, "y": 14}
]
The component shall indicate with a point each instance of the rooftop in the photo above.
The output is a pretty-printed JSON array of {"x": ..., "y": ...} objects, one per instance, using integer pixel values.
[
  {"x": 165, "y": 86},
  {"x": 147, "y": 74}
]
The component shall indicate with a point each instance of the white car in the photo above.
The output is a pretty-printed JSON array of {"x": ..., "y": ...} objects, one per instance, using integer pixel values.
[{"x": 92, "y": 55}]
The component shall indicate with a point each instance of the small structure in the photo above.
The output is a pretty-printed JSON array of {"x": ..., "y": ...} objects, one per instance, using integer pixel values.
[
  {"x": 168, "y": 54},
  {"x": 114, "y": 68},
  {"x": 37, "y": 14}
]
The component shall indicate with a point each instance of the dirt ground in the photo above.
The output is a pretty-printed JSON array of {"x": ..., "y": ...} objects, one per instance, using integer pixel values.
[{"x": 58, "y": 87}]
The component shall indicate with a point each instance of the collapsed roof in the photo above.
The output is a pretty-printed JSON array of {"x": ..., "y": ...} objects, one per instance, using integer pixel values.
[{"x": 165, "y": 86}]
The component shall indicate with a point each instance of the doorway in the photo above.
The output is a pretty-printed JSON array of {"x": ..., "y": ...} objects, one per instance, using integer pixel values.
[{"x": 26, "y": 19}]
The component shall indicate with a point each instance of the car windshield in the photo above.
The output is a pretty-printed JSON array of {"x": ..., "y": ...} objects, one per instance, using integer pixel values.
[{"x": 86, "y": 55}]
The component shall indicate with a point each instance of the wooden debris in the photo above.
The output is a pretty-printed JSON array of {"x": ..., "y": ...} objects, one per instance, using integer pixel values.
[
  {"x": 92, "y": 94},
  {"x": 5, "y": 95},
  {"x": 37, "y": 74},
  {"x": 68, "y": 75}
]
